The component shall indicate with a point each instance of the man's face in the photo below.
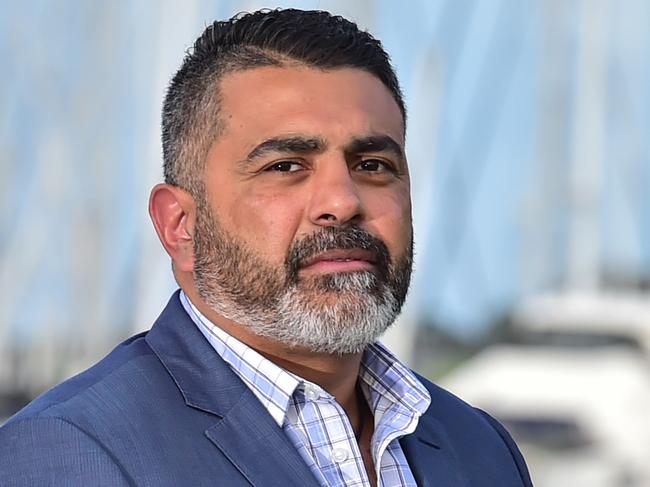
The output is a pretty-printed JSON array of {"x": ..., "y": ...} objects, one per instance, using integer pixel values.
[{"x": 304, "y": 231}]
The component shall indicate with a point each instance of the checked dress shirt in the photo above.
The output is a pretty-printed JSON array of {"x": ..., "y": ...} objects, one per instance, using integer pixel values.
[{"x": 316, "y": 424}]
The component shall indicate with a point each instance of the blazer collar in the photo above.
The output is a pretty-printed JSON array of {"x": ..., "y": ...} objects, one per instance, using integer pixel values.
[
  {"x": 243, "y": 430},
  {"x": 431, "y": 455}
]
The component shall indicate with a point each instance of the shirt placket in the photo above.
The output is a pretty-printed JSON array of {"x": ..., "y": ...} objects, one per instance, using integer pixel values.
[
  {"x": 330, "y": 439},
  {"x": 394, "y": 425}
]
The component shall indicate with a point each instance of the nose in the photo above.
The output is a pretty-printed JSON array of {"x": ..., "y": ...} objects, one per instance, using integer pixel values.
[{"x": 335, "y": 199}]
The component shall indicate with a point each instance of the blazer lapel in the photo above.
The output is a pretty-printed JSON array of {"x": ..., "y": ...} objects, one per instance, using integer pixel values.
[
  {"x": 252, "y": 441},
  {"x": 243, "y": 430},
  {"x": 431, "y": 456}
]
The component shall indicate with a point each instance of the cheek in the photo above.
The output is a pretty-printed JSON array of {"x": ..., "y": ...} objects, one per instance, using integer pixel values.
[
  {"x": 269, "y": 221},
  {"x": 390, "y": 219}
]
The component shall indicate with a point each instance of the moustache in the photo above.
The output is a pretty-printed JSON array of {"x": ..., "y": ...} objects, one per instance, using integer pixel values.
[{"x": 336, "y": 238}]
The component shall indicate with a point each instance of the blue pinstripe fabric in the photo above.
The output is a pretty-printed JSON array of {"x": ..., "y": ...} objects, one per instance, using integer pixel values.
[{"x": 316, "y": 424}]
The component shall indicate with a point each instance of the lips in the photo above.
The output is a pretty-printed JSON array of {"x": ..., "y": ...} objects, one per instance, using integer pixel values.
[
  {"x": 341, "y": 258},
  {"x": 337, "y": 250}
]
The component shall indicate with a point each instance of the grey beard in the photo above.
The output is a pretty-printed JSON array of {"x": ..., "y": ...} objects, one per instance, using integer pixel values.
[
  {"x": 342, "y": 324},
  {"x": 336, "y": 313}
]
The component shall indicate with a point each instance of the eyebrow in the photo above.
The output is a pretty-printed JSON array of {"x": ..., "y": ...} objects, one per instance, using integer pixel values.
[
  {"x": 375, "y": 143},
  {"x": 306, "y": 145},
  {"x": 296, "y": 145}
]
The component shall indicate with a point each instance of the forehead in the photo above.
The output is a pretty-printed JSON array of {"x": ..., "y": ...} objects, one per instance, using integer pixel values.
[{"x": 340, "y": 103}]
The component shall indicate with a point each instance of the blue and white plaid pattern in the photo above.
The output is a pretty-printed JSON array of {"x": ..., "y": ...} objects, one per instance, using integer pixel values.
[{"x": 316, "y": 424}]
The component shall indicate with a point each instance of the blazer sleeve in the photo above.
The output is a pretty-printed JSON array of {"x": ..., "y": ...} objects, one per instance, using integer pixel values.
[
  {"x": 512, "y": 446},
  {"x": 52, "y": 451}
]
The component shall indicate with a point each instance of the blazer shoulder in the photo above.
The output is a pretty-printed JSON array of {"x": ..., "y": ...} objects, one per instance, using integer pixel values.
[
  {"x": 52, "y": 451},
  {"x": 512, "y": 446},
  {"x": 54, "y": 401},
  {"x": 462, "y": 420}
]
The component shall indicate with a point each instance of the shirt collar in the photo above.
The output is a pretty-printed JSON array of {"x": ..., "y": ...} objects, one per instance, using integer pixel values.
[
  {"x": 389, "y": 381},
  {"x": 386, "y": 379}
]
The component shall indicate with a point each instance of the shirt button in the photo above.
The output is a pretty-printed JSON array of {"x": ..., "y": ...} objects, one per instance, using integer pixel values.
[
  {"x": 311, "y": 394},
  {"x": 339, "y": 455}
]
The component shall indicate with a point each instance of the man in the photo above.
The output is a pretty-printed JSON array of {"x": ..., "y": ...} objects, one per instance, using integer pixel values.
[{"x": 286, "y": 213}]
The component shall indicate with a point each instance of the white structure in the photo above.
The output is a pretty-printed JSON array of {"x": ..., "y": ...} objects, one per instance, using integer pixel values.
[{"x": 574, "y": 390}]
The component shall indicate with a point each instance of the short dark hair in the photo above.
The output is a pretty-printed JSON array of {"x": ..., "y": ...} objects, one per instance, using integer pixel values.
[{"x": 264, "y": 38}]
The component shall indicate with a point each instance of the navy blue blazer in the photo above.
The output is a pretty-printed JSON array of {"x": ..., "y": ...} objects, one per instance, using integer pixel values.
[{"x": 164, "y": 409}]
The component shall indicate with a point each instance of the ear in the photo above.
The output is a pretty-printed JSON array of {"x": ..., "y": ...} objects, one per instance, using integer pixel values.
[{"x": 173, "y": 213}]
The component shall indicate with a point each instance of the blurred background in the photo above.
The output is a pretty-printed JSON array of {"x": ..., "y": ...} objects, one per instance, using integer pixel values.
[{"x": 530, "y": 162}]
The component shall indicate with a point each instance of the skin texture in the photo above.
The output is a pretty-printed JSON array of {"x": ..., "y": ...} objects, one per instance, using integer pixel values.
[{"x": 269, "y": 195}]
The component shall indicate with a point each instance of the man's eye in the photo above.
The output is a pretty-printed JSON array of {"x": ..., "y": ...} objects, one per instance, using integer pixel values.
[
  {"x": 284, "y": 166},
  {"x": 374, "y": 165}
]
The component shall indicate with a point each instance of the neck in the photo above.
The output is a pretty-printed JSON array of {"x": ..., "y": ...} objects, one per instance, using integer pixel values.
[{"x": 337, "y": 374}]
